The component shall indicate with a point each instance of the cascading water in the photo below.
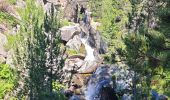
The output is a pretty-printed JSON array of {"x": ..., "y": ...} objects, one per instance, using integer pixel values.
[
  {"x": 102, "y": 86},
  {"x": 89, "y": 50}
]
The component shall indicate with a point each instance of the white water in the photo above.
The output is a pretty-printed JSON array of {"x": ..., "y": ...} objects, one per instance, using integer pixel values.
[
  {"x": 90, "y": 93},
  {"x": 89, "y": 50}
]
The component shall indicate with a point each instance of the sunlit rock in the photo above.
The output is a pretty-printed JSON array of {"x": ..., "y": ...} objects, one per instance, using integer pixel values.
[
  {"x": 74, "y": 43},
  {"x": 68, "y": 32}
]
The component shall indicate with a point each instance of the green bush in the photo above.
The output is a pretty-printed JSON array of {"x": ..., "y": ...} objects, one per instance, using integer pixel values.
[{"x": 8, "y": 78}]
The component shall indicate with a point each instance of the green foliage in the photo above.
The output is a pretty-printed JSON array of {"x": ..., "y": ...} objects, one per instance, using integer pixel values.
[
  {"x": 7, "y": 79},
  {"x": 126, "y": 26},
  {"x": 137, "y": 47},
  {"x": 72, "y": 52},
  {"x": 146, "y": 52},
  {"x": 7, "y": 19},
  {"x": 95, "y": 7},
  {"x": 12, "y": 39},
  {"x": 12, "y": 1},
  {"x": 65, "y": 23},
  {"x": 57, "y": 86},
  {"x": 37, "y": 50},
  {"x": 114, "y": 17},
  {"x": 27, "y": 18}
]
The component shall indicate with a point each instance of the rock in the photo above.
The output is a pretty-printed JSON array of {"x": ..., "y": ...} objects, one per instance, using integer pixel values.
[
  {"x": 79, "y": 79},
  {"x": 71, "y": 11},
  {"x": 3, "y": 39},
  {"x": 68, "y": 93},
  {"x": 53, "y": 1},
  {"x": 118, "y": 19},
  {"x": 74, "y": 43},
  {"x": 20, "y": 4},
  {"x": 95, "y": 25},
  {"x": 3, "y": 28},
  {"x": 96, "y": 38},
  {"x": 163, "y": 97},
  {"x": 2, "y": 60},
  {"x": 88, "y": 67},
  {"x": 73, "y": 64},
  {"x": 77, "y": 56},
  {"x": 15, "y": 30},
  {"x": 84, "y": 28},
  {"x": 9, "y": 59},
  {"x": 103, "y": 48},
  {"x": 3, "y": 42},
  {"x": 68, "y": 32},
  {"x": 127, "y": 97},
  {"x": 3, "y": 52},
  {"x": 78, "y": 92}
]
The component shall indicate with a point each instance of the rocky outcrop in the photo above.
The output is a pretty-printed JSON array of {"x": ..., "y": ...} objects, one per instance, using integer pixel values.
[
  {"x": 71, "y": 11},
  {"x": 88, "y": 67},
  {"x": 74, "y": 43},
  {"x": 68, "y": 32}
]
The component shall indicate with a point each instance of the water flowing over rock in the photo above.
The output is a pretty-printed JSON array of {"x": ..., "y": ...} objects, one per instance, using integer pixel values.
[
  {"x": 102, "y": 81},
  {"x": 78, "y": 68}
]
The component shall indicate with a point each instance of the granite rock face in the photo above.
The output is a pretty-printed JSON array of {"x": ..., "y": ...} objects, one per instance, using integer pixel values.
[
  {"x": 74, "y": 43},
  {"x": 68, "y": 32}
]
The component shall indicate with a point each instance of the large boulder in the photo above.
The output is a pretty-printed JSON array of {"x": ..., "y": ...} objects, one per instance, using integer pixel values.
[
  {"x": 74, "y": 43},
  {"x": 88, "y": 67},
  {"x": 68, "y": 32},
  {"x": 73, "y": 63},
  {"x": 80, "y": 79}
]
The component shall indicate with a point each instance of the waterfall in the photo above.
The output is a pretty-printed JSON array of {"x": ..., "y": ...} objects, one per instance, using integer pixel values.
[{"x": 89, "y": 50}]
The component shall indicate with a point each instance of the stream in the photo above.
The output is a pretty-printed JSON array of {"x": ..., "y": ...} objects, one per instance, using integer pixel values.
[{"x": 105, "y": 82}]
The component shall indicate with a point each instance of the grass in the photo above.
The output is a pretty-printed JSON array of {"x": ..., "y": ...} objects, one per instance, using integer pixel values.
[
  {"x": 12, "y": 1},
  {"x": 7, "y": 19}
]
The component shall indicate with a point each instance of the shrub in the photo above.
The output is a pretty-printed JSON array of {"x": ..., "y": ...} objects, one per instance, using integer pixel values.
[{"x": 8, "y": 78}]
